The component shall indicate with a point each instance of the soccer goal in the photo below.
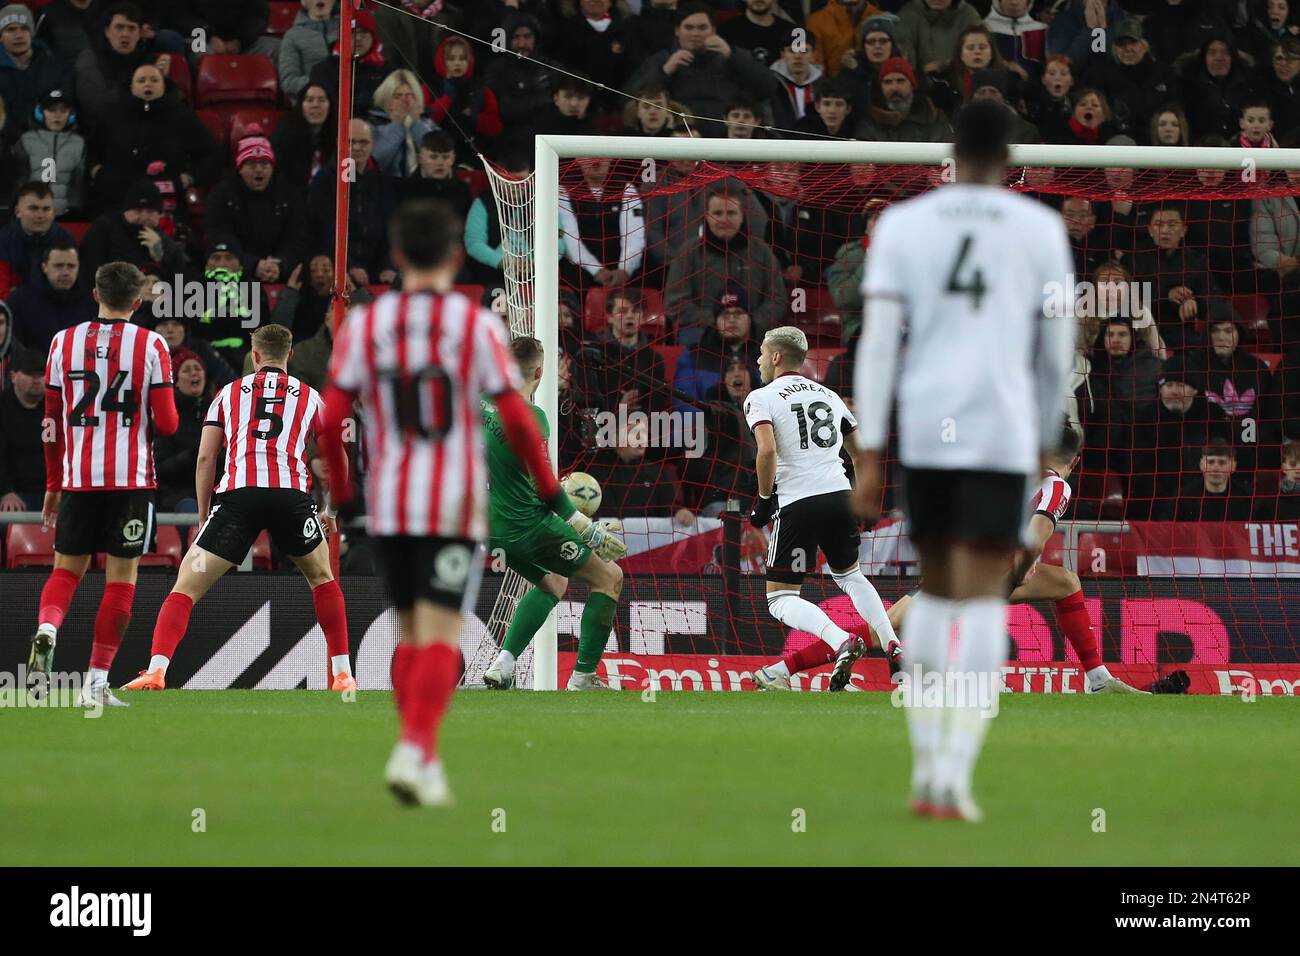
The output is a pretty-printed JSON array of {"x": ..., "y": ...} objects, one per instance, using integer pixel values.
[{"x": 702, "y": 229}]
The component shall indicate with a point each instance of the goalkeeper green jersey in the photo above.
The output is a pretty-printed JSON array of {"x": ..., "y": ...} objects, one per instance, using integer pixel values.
[{"x": 514, "y": 507}]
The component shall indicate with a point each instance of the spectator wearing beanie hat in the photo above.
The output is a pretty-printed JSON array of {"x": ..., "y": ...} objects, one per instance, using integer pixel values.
[
  {"x": 877, "y": 42},
  {"x": 133, "y": 234},
  {"x": 266, "y": 215},
  {"x": 314, "y": 32},
  {"x": 368, "y": 67},
  {"x": 56, "y": 145},
  {"x": 902, "y": 114},
  {"x": 177, "y": 455},
  {"x": 731, "y": 337},
  {"x": 28, "y": 70}
]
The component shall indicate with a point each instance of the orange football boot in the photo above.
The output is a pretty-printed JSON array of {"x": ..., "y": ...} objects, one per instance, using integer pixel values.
[
  {"x": 344, "y": 682},
  {"x": 148, "y": 680}
]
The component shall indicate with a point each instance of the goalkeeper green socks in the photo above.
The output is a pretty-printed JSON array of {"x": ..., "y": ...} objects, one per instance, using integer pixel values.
[
  {"x": 597, "y": 621},
  {"x": 528, "y": 619}
]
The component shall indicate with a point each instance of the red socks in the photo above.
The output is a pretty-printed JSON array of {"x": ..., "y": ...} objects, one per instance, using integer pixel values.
[
  {"x": 332, "y": 615},
  {"x": 110, "y": 623},
  {"x": 56, "y": 597},
  {"x": 434, "y": 673},
  {"x": 1072, "y": 615},
  {"x": 173, "y": 621},
  {"x": 806, "y": 658},
  {"x": 402, "y": 658}
]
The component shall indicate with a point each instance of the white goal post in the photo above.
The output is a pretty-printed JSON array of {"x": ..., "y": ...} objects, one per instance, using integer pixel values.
[{"x": 545, "y": 242}]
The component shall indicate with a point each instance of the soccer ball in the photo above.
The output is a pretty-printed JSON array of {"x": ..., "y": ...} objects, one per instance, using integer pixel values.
[{"x": 584, "y": 490}]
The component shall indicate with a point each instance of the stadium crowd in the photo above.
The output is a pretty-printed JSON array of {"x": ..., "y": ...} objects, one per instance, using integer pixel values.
[{"x": 196, "y": 139}]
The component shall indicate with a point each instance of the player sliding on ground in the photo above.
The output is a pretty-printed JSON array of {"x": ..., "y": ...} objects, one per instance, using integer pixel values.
[
  {"x": 800, "y": 426},
  {"x": 108, "y": 392},
  {"x": 967, "y": 269},
  {"x": 1031, "y": 580},
  {"x": 263, "y": 421},
  {"x": 546, "y": 547},
  {"x": 418, "y": 361}
]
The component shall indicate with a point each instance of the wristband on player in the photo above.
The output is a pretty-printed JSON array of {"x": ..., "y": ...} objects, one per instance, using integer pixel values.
[
  {"x": 328, "y": 512},
  {"x": 763, "y": 510}
]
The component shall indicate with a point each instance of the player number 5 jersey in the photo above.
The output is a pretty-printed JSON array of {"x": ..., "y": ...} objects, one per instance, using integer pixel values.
[
  {"x": 810, "y": 423},
  {"x": 267, "y": 417}
]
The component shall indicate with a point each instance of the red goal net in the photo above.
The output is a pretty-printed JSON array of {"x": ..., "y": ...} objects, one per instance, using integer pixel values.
[{"x": 1186, "y": 389}]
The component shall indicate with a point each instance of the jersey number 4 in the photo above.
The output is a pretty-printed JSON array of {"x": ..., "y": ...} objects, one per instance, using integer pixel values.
[
  {"x": 973, "y": 285},
  {"x": 123, "y": 401}
]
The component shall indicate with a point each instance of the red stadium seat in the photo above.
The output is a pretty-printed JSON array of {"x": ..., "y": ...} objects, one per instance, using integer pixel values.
[
  {"x": 29, "y": 544},
  {"x": 813, "y": 310},
  {"x": 472, "y": 292},
  {"x": 236, "y": 79},
  {"x": 1054, "y": 550},
  {"x": 245, "y": 120},
  {"x": 818, "y": 361},
  {"x": 168, "y": 551},
  {"x": 215, "y": 121},
  {"x": 262, "y": 552},
  {"x": 475, "y": 179},
  {"x": 282, "y": 16},
  {"x": 77, "y": 230},
  {"x": 178, "y": 74}
]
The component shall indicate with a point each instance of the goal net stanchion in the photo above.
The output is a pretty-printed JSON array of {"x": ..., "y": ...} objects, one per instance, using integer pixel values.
[{"x": 695, "y": 585}]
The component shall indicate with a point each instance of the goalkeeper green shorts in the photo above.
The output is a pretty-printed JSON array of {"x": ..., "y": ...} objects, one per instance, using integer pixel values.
[{"x": 549, "y": 547}]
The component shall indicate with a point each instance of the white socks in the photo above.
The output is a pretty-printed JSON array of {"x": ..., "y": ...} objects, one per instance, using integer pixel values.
[
  {"x": 1097, "y": 676},
  {"x": 96, "y": 675},
  {"x": 946, "y": 741},
  {"x": 929, "y": 623},
  {"x": 339, "y": 664},
  {"x": 779, "y": 669},
  {"x": 159, "y": 663},
  {"x": 792, "y": 610},
  {"x": 867, "y": 601},
  {"x": 49, "y": 630},
  {"x": 982, "y": 646},
  {"x": 505, "y": 662}
]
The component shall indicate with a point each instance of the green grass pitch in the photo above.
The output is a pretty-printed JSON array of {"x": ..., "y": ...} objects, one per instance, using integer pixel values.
[{"x": 294, "y": 777}]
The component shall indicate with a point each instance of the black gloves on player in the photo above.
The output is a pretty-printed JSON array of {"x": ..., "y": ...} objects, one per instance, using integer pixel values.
[{"x": 764, "y": 508}]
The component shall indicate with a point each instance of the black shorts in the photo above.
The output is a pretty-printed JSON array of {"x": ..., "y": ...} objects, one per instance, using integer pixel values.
[
  {"x": 238, "y": 517},
  {"x": 985, "y": 508},
  {"x": 801, "y": 527},
  {"x": 120, "y": 523},
  {"x": 444, "y": 571}
]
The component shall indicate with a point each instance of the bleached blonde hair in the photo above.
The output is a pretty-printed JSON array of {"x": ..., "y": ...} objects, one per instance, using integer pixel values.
[
  {"x": 790, "y": 342},
  {"x": 384, "y": 94}
]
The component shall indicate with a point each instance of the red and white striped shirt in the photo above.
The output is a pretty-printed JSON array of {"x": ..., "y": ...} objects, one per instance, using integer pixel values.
[
  {"x": 418, "y": 362},
  {"x": 1053, "y": 497},
  {"x": 267, "y": 417},
  {"x": 105, "y": 370}
]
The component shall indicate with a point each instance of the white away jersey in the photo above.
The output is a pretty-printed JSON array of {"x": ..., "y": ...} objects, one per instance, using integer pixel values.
[
  {"x": 1053, "y": 497},
  {"x": 419, "y": 362},
  {"x": 809, "y": 422},
  {"x": 106, "y": 369},
  {"x": 984, "y": 279},
  {"x": 266, "y": 417}
]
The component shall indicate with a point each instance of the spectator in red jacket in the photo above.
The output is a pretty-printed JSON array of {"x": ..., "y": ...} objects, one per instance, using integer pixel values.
[{"x": 460, "y": 94}]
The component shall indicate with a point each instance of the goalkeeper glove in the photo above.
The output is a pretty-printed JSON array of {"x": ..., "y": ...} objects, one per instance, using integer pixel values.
[
  {"x": 598, "y": 537},
  {"x": 764, "y": 508}
]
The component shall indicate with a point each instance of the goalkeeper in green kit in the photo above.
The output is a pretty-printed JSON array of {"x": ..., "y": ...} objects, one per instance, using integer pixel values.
[{"x": 544, "y": 547}]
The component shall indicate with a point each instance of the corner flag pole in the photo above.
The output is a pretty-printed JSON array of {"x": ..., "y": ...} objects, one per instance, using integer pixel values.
[{"x": 342, "y": 193}]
